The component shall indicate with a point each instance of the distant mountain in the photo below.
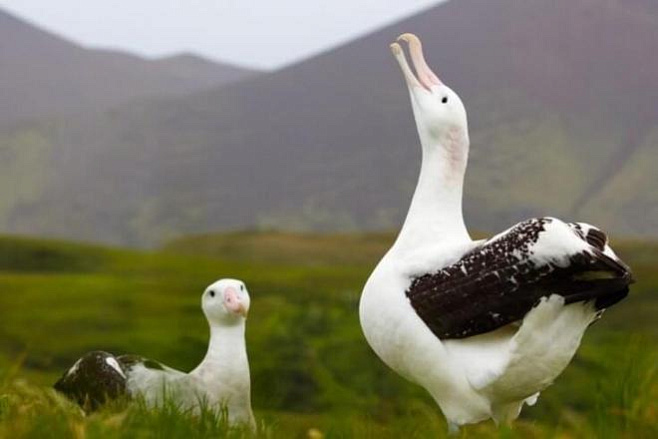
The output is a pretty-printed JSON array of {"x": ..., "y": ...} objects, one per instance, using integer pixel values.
[
  {"x": 563, "y": 109},
  {"x": 192, "y": 68},
  {"x": 42, "y": 74}
]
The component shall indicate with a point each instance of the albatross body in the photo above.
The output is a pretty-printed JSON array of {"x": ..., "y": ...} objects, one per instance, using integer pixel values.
[
  {"x": 483, "y": 326},
  {"x": 221, "y": 380}
]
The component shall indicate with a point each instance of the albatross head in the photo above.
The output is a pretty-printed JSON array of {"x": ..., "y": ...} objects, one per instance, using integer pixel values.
[
  {"x": 225, "y": 302},
  {"x": 439, "y": 112}
]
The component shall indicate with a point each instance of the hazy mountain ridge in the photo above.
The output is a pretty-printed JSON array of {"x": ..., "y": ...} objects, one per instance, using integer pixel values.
[
  {"x": 43, "y": 75},
  {"x": 562, "y": 106}
]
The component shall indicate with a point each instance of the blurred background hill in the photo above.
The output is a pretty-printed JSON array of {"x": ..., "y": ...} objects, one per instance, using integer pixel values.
[
  {"x": 44, "y": 75},
  {"x": 562, "y": 99}
]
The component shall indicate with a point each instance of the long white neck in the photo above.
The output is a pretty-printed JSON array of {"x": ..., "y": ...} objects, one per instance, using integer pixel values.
[
  {"x": 227, "y": 352},
  {"x": 224, "y": 372},
  {"x": 435, "y": 214}
]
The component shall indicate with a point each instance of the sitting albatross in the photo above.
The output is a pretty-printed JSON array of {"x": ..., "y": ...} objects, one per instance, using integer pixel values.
[
  {"x": 221, "y": 380},
  {"x": 483, "y": 326}
]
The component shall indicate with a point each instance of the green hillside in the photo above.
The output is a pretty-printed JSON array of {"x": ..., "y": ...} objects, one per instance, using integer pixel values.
[
  {"x": 311, "y": 367},
  {"x": 632, "y": 189}
]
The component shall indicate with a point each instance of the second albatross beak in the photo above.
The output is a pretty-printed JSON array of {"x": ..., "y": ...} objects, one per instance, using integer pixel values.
[{"x": 233, "y": 303}]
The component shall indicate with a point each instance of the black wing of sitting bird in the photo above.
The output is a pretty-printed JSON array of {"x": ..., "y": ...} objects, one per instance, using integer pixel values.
[
  {"x": 93, "y": 380},
  {"x": 98, "y": 377}
]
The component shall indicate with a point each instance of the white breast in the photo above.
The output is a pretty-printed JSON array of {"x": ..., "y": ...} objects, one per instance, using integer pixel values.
[{"x": 401, "y": 339}]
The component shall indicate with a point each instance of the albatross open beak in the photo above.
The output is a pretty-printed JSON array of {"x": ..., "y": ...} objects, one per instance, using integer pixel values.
[
  {"x": 426, "y": 78},
  {"x": 233, "y": 303}
]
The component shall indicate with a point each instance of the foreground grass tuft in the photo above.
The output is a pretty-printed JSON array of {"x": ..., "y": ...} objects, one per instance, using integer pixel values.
[{"x": 34, "y": 412}]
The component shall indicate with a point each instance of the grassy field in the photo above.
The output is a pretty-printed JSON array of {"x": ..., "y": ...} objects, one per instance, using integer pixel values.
[{"x": 312, "y": 372}]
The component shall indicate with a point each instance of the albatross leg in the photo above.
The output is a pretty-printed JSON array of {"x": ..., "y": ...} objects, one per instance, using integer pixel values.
[{"x": 453, "y": 429}]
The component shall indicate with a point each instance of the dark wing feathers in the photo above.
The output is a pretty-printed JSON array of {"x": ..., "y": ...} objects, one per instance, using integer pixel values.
[
  {"x": 498, "y": 282},
  {"x": 92, "y": 380},
  {"x": 594, "y": 237},
  {"x": 99, "y": 376},
  {"x": 128, "y": 361}
]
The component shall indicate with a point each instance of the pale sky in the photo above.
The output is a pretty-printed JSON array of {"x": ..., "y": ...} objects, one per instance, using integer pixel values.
[{"x": 272, "y": 33}]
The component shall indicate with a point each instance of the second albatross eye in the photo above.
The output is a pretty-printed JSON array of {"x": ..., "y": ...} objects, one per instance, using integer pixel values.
[
  {"x": 444, "y": 100},
  {"x": 212, "y": 293}
]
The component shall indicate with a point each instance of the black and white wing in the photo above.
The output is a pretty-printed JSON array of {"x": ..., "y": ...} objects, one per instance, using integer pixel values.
[
  {"x": 98, "y": 377},
  {"x": 503, "y": 278},
  {"x": 93, "y": 380}
]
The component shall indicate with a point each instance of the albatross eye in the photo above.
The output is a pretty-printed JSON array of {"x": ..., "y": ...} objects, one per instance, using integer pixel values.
[
  {"x": 212, "y": 293},
  {"x": 241, "y": 287},
  {"x": 444, "y": 100}
]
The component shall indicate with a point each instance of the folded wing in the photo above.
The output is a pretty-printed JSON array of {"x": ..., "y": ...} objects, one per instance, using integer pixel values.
[{"x": 499, "y": 281}]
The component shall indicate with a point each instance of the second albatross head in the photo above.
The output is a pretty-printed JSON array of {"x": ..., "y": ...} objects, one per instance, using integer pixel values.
[
  {"x": 439, "y": 112},
  {"x": 226, "y": 302}
]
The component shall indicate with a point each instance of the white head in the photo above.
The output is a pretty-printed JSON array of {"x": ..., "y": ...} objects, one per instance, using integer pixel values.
[
  {"x": 439, "y": 112},
  {"x": 226, "y": 302}
]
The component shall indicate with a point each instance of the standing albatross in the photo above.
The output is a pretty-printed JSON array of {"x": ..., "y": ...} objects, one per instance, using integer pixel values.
[
  {"x": 221, "y": 380},
  {"x": 483, "y": 326}
]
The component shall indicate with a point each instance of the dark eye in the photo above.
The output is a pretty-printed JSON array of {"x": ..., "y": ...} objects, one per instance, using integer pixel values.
[
  {"x": 445, "y": 99},
  {"x": 241, "y": 287},
  {"x": 212, "y": 293}
]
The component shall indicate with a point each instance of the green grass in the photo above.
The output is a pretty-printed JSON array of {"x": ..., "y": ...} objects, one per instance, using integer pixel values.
[{"x": 311, "y": 368}]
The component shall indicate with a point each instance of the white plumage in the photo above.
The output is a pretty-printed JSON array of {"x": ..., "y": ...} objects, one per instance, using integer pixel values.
[{"x": 484, "y": 326}]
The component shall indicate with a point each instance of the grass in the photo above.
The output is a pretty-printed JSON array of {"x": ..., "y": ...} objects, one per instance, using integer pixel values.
[{"x": 312, "y": 372}]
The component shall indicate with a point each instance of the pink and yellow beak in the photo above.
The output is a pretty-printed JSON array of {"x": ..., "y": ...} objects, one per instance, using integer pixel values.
[
  {"x": 426, "y": 77},
  {"x": 233, "y": 303}
]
